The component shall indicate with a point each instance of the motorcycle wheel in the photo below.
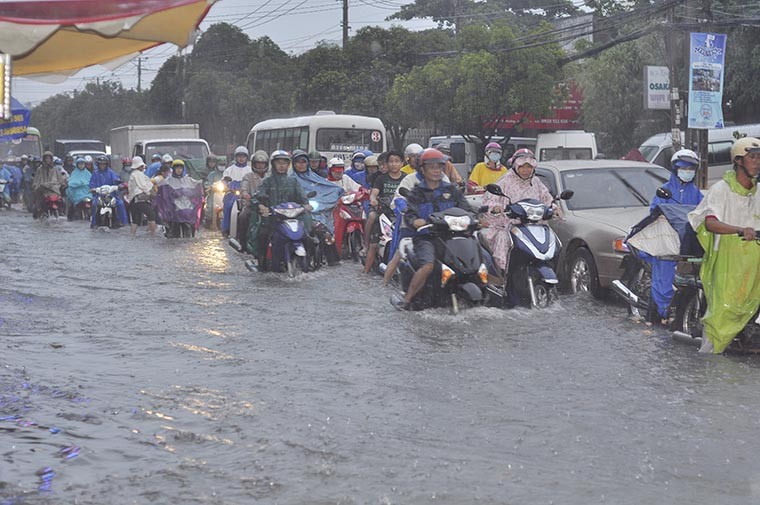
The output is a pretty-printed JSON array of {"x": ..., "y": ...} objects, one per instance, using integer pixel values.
[
  {"x": 689, "y": 314},
  {"x": 292, "y": 268},
  {"x": 545, "y": 295},
  {"x": 355, "y": 245},
  {"x": 640, "y": 282}
]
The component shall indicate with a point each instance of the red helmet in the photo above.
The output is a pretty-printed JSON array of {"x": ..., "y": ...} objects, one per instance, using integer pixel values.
[
  {"x": 521, "y": 157},
  {"x": 431, "y": 155}
]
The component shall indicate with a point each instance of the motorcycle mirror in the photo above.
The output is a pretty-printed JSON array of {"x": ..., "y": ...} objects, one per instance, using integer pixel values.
[
  {"x": 567, "y": 194},
  {"x": 494, "y": 189},
  {"x": 311, "y": 194},
  {"x": 404, "y": 192},
  {"x": 664, "y": 193}
]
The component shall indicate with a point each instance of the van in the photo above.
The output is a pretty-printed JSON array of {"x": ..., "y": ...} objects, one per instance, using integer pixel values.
[
  {"x": 464, "y": 154},
  {"x": 566, "y": 145},
  {"x": 658, "y": 149}
]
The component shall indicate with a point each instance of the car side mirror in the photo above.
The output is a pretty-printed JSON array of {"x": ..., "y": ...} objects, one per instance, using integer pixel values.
[
  {"x": 404, "y": 192},
  {"x": 664, "y": 193},
  {"x": 311, "y": 194},
  {"x": 567, "y": 194},
  {"x": 494, "y": 189}
]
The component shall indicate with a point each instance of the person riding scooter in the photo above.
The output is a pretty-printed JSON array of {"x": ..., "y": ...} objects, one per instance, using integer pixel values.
[
  {"x": 248, "y": 187},
  {"x": 179, "y": 201},
  {"x": 235, "y": 174},
  {"x": 103, "y": 176},
  {"x": 79, "y": 186},
  {"x": 429, "y": 196},
  {"x": 47, "y": 181}
]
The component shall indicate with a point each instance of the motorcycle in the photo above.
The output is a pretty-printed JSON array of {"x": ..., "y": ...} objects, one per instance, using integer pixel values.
[
  {"x": 215, "y": 203},
  {"x": 4, "y": 202},
  {"x": 532, "y": 280},
  {"x": 635, "y": 284},
  {"x": 82, "y": 210},
  {"x": 386, "y": 220},
  {"x": 349, "y": 224},
  {"x": 690, "y": 306},
  {"x": 287, "y": 242},
  {"x": 52, "y": 207},
  {"x": 459, "y": 272},
  {"x": 105, "y": 212}
]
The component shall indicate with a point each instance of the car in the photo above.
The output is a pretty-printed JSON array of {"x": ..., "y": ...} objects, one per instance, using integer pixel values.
[{"x": 610, "y": 196}]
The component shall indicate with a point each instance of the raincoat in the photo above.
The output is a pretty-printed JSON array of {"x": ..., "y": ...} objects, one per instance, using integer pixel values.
[
  {"x": 101, "y": 178},
  {"x": 179, "y": 200},
  {"x": 279, "y": 188},
  {"x": 731, "y": 266},
  {"x": 152, "y": 169},
  {"x": 15, "y": 181},
  {"x": 360, "y": 176},
  {"x": 497, "y": 235},
  {"x": 664, "y": 271},
  {"x": 79, "y": 186},
  {"x": 5, "y": 174},
  {"x": 236, "y": 173},
  {"x": 326, "y": 198}
]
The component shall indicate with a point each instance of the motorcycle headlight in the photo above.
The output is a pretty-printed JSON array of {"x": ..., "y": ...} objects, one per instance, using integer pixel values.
[
  {"x": 457, "y": 223},
  {"x": 348, "y": 199},
  {"x": 483, "y": 273},
  {"x": 533, "y": 212},
  {"x": 446, "y": 274},
  {"x": 220, "y": 187},
  {"x": 290, "y": 213}
]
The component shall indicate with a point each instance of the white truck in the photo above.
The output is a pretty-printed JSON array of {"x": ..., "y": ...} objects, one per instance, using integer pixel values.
[{"x": 180, "y": 141}]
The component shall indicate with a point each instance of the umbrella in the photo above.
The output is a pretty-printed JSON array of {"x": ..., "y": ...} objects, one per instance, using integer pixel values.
[{"x": 63, "y": 36}]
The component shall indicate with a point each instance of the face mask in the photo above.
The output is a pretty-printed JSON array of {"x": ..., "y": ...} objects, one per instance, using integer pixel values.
[
  {"x": 686, "y": 175},
  {"x": 495, "y": 157},
  {"x": 359, "y": 166}
]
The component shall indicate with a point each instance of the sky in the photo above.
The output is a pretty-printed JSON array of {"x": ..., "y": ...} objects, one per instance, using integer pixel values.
[{"x": 295, "y": 25}]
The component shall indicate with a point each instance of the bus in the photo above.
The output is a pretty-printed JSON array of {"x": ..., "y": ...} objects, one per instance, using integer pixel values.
[
  {"x": 31, "y": 145},
  {"x": 333, "y": 135}
]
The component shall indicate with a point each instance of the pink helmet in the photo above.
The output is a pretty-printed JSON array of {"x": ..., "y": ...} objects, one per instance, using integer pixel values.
[
  {"x": 493, "y": 146},
  {"x": 521, "y": 157}
]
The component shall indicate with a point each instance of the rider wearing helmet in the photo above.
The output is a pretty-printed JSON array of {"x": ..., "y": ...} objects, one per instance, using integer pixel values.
[
  {"x": 683, "y": 166},
  {"x": 215, "y": 171},
  {"x": 487, "y": 171},
  {"x": 429, "y": 196},
  {"x": 248, "y": 187},
  {"x": 89, "y": 164},
  {"x": 315, "y": 163},
  {"x": 68, "y": 163},
  {"x": 411, "y": 153},
  {"x": 155, "y": 165},
  {"x": 140, "y": 194},
  {"x": 235, "y": 173},
  {"x": 102, "y": 176},
  {"x": 58, "y": 162},
  {"x": 276, "y": 188},
  {"x": 729, "y": 272},
  {"x": 47, "y": 181},
  {"x": 79, "y": 186},
  {"x": 517, "y": 184},
  {"x": 357, "y": 171},
  {"x": 450, "y": 171},
  {"x": 336, "y": 174}
]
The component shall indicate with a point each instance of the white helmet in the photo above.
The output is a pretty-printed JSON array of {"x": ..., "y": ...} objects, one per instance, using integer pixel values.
[
  {"x": 167, "y": 158},
  {"x": 685, "y": 156},
  {"x": 241, "y": 150},
  {"x": 412, "y": 150},
  {"x": 336, "y": 162},
  {"x": 88, "y": 159}
]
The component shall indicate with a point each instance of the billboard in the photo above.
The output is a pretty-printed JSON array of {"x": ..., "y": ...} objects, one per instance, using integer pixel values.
[
  {"x": 707, "y": 54},
  {"x": 656, "y": 87}
]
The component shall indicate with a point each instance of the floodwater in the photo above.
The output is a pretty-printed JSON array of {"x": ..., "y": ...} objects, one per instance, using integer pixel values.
[{"x": 153, "y": 371}]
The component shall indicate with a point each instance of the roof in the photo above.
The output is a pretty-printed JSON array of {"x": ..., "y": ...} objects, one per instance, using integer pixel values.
[
  {"x": 566, "y": 165},
  {"x": 325, "y": 119},
  {"x": 72, "y": 141}
]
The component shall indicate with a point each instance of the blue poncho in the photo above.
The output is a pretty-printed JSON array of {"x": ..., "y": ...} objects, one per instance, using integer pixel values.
[
  {"x": 79, "y": 185},
  {"x": 326, "y": 198}
]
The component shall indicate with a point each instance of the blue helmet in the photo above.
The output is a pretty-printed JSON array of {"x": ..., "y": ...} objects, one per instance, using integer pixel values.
[{"x": 79, "y": 160}]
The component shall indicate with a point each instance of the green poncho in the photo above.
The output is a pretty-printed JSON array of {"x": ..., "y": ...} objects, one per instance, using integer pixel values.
[{"x": 731, "y": 266}]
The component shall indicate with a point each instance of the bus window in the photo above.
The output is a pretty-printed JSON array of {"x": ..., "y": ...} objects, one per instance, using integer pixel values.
[
  {"x": 720, "y": 153},
  {"x": 349, "y": 140}
]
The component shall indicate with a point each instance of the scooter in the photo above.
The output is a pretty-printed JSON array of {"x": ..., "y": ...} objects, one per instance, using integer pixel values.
[
  {"x": 52, "y": 207},
  {"x": 459, "y": 274},
  {"x": 349, "y": 224},
  {"x": 532, "y": 280},
  {"x": 215, "y": 203},
  {"x": 386, "y": 219},
  {"x": 287, "y": 242},
  {"x": 105, "y": 211}
]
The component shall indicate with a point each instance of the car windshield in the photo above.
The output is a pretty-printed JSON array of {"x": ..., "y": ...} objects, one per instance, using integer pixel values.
[
  {"x": 649, "y": 152},
  {"x": 613, "y": 187},
  {"x": 178, "y": 150}
]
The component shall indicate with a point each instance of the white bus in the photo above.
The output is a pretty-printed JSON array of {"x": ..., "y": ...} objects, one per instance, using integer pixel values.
[{"x": 333, "y": 135}]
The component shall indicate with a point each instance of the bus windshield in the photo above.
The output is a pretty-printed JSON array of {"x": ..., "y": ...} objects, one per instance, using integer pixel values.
[
  {"x": 29, "y": 145},
  {"x": 349, "y": 140}
]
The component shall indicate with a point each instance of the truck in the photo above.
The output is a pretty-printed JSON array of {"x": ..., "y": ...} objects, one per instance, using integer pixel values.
[
  {"x": 180, "y": 141},
  {"x": 566, "y": 145}
]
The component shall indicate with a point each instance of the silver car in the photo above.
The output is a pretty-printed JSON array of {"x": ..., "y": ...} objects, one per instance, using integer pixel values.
[{"x": 610, "y": 197}]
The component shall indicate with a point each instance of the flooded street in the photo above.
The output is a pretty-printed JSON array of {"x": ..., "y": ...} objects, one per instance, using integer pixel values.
[{"x": 153, "y": 371}]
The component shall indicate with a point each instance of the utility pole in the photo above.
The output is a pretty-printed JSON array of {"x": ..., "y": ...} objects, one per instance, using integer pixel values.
[
  {"x": 675, "y": 99},
  {"x": 345, "y": 23},
  {"x": 139, "y": 74}
]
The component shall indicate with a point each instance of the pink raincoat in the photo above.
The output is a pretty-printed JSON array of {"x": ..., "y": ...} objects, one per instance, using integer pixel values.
[{"x": 497, "y": 235}]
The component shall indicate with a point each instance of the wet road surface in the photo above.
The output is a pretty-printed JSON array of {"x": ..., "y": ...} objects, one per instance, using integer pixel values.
[{"x": 154, "y": 371}]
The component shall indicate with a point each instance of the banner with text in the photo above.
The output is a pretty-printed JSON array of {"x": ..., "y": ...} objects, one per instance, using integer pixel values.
[
  {"x": 706, "y": 71},
  {"x": 657, "y": 87}
]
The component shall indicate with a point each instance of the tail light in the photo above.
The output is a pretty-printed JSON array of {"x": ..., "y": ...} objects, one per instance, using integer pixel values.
[
  {"x": 446, "y": 274},
  {"x": 483, "y": 273}
]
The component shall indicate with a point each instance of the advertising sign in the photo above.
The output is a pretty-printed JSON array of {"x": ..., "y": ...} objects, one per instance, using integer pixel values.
[
  {"x": 656, "y": 87},
  {"x": 706, "y": 71}
]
